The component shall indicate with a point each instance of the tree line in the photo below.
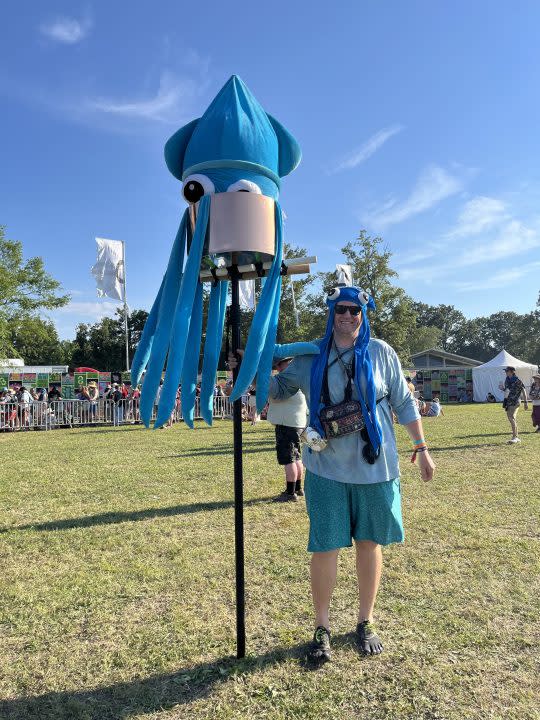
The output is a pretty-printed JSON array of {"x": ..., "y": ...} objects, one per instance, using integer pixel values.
[{"x": 410, "y": 326}]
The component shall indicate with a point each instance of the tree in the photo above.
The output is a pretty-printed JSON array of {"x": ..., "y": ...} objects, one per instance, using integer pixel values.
[
  {"x": 36, "y": 341},
  {"x": 288, "y": 328},
  {"x": 424, "y": 338},
  {"x": 103, "y": 344},
  {"x": 446, "y": 318},
  {"x": 25, "y": 289}
]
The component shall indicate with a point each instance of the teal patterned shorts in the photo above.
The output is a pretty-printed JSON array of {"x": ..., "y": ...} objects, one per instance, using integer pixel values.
[{"x": 340, "y": 512}]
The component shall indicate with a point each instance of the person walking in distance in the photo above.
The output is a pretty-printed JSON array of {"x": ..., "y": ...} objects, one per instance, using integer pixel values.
[{"x": 514, "y": 392}]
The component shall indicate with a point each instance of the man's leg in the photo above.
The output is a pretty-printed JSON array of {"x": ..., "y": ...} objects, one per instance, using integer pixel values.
[
  {"x": 511, "y": 413},
  {"x": 368, "y": 572},
  {"x": 290, "y": 478},
  {"x": 323, "y": 581},
  {"x": 299, "y": 474}
]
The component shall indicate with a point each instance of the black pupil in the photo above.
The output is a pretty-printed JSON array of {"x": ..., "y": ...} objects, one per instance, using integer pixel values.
[{"x": 193, "y": 191}]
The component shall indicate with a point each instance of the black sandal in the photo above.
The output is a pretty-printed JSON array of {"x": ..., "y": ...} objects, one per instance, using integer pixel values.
[
  {"x": 369, "y": 643},
  {"x": 319, "y": 651}
]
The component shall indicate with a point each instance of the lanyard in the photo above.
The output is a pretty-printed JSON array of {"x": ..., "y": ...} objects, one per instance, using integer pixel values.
[{"x": 349, "y": 371}]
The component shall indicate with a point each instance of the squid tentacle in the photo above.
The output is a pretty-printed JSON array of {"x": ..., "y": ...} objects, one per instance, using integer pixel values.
[
  {"x": 212, "y": 347},
  {"x": 144, "y": 348},
  {"x": 265, "y": 363},
  {"x": 182, "y": 314},
  {"x": 160, "y": 340},
  {"x": 191, "y": 361},
  {"x": 261, "y": 320}
]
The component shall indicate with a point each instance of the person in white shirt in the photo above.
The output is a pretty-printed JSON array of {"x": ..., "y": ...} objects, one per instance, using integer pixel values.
[{"x": 289, "y": 417}]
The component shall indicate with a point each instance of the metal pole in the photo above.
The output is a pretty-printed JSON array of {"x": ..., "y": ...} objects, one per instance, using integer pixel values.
[
  {"x": 125, "y": 304},
  {"x": 238, "y": 480}
]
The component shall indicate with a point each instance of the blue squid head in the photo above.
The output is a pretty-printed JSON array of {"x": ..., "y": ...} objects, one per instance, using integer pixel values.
[{"x": 234, "y": 147}]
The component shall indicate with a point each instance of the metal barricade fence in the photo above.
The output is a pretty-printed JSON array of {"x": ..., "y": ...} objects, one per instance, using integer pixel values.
[{"x": 39, "y": 415}]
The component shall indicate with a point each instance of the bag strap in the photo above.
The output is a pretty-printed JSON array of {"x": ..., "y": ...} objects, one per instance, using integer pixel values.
[{"x": 325, "y": 391}]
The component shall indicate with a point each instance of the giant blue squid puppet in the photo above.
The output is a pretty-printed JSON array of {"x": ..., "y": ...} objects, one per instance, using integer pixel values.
[{"x": 234, "y": 148}]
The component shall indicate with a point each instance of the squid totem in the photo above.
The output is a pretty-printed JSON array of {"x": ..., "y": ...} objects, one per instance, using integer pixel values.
[{"x": 230, "y": 162}]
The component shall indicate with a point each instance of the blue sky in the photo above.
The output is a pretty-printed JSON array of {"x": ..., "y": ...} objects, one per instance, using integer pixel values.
[{"x": 418, "y": 121}]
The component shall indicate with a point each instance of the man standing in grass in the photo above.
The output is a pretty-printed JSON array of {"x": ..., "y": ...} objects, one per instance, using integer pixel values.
[
  {"x": 514, "y": 392},
  {"x": 352, "y": 485},
  {"x": 289, "y": 418}
]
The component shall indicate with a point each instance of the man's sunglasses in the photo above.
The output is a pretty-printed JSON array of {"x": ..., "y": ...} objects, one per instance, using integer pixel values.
[{"x": 354, "y": 310}]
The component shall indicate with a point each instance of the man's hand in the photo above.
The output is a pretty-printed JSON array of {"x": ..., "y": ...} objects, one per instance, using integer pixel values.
[{"x": 426, "y": 465}]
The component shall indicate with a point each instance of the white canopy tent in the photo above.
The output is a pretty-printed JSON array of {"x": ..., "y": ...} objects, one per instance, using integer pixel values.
[{"x": 487, "y": 377}]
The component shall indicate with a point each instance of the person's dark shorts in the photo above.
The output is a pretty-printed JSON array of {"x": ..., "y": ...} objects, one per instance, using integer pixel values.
[{"x": 287, "y": 444}]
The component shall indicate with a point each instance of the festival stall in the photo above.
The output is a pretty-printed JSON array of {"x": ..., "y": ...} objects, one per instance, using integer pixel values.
[{"x": 488, "y": 378}]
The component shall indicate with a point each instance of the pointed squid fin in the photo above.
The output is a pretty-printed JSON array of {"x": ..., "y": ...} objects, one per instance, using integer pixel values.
[
  {"x": 212, "y": 348},
  {"x": 182, "y": 316},
  {"x": 160, "y": 342}
]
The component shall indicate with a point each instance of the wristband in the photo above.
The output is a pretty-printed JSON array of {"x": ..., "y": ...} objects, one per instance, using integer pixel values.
[
  {"x": 417, "y": 450},
  {"x": 420, "y": 441}
]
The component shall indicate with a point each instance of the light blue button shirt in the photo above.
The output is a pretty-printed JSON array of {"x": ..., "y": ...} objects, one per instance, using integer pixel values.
[{"x": 342, "y": 459}]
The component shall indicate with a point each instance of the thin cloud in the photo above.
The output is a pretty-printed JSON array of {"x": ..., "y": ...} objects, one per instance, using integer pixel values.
[
  {"x": 513, "y": 239},
  {"x": 66, "y": 30},
  {"x": 173, "y": 96},
  {"x": 500, "y": 279},
  {"x": 365, "y": 151},
  {"x": 89, "y": 310},
  {"x": 434, "y": 185},
  {"x": 478, "y": 215}
]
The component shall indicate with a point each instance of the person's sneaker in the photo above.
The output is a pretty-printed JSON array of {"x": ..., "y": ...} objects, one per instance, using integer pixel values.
[
  {"x": 514, "y": 440},
  {"x": 319, "y": 651},
  {"x": 287, "y": 497},
  {"x": 369, "y": 643},
  {"x": 538, "y": 429},
  {"x": 299, "y": 492}
]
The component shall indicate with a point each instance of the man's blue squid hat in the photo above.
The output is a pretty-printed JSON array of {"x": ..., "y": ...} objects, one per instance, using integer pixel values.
[{"x": 363, "y": 366}]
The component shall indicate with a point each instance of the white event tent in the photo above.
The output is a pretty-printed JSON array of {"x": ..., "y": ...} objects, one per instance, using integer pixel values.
[{"x": 487, "y": 377}]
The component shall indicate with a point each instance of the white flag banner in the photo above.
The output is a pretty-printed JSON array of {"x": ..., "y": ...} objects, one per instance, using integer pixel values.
[
  {"x": 344, "y": 275},
  {"x": 109, "y": 269},
  {"x": 246, "y": 290}
]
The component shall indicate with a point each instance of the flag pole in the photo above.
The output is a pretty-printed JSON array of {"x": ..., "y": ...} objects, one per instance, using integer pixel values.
[{"x": 125, "y": 304}]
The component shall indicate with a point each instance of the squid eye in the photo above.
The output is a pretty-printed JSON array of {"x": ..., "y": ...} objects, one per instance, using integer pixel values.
[
  {"x": 334, "y": 293},
  {"x": 363, "y": 297},
  {"x": 245, "y": 186},
  {"x": 195, "y": 186}
]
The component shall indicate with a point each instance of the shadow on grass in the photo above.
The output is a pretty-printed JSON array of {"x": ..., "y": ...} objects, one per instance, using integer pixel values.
[
  {"x": 113, "y": 518},
  {"x": 466, "y": 437},
  {"x": 247, "y": 449},
  {"x": 434, "y": 448},
  {"x": 153, "y": 694}
]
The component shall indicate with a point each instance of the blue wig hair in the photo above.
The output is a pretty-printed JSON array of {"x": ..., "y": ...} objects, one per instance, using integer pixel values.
[{"x": 362, "y": 364}]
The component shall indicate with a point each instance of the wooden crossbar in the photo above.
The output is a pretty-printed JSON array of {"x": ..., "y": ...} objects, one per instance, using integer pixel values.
[{"x": 291, "y": 266}]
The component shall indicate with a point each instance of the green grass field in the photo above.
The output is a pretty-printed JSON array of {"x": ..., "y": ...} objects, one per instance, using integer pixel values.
[{"x": 117, "y": 583}]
